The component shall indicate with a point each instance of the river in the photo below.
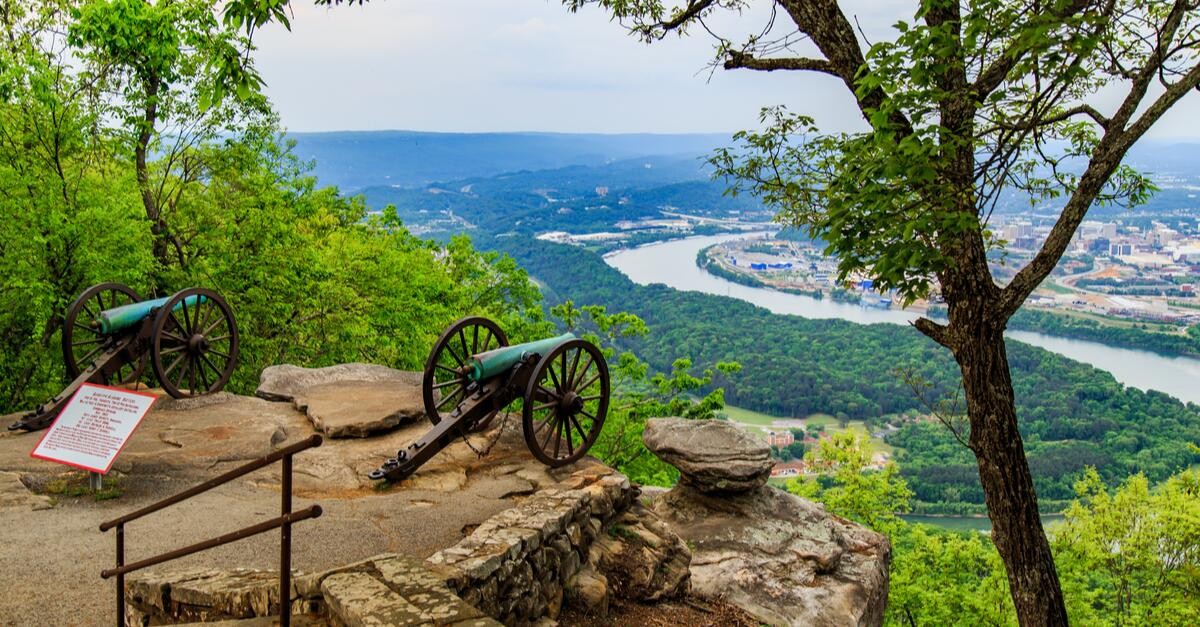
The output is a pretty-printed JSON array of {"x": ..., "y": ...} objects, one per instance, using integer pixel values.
[{"x": 673, "y": 263}]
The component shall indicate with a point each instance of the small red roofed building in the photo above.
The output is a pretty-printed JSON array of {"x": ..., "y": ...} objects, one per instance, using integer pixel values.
[
  {"x": 780, "y": 439},
  {"x": 793, "y": 468}
]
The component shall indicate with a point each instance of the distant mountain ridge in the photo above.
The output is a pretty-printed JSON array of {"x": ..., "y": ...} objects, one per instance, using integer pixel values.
[{"x": 353, "y": 160}]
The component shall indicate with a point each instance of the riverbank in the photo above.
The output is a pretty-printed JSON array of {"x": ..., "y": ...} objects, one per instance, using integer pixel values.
[
  {"x": 673, "y": 264},
  {"x": 968, "y": 523}
]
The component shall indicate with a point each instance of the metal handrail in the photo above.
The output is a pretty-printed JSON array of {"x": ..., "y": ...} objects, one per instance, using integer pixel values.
[
  {"x": 266, "y": 460},
  {"x": 283, "y": 522}
]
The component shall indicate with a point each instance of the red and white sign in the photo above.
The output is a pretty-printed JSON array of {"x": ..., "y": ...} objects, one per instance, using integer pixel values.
[{"x": 93, "y": 428}]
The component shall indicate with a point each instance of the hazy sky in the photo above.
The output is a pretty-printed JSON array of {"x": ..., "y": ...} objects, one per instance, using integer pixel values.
[{"x": 529, "y": 65}]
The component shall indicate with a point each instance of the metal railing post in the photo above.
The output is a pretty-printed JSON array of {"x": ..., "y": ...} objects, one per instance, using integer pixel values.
[
  {"x": 285, "y": 546},
  {"x": 121, "y": 577}
]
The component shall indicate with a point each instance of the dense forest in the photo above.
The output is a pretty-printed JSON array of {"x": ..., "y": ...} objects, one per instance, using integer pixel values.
[
  {"x": 1138, "y": 336},
  {"x": 1072, "y": 415}
]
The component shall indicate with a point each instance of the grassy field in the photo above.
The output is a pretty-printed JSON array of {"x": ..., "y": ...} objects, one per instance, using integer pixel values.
[
  {"x": 760, "y": 423},
  {"x": 1113, "y": 321},
  {"x": 1051, "y": 286},
  {"x": 750, "y": 417}
]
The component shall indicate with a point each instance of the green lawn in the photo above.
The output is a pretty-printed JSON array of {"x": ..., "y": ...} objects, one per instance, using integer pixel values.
[
  {"x": 760, "y": 423},
  {"x": 1051, "y": 286},
  {"x": 749, "y": 417}
]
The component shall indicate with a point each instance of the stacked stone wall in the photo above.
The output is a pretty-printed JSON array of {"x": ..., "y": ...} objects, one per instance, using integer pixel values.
[{"x": 514, "y": 566}]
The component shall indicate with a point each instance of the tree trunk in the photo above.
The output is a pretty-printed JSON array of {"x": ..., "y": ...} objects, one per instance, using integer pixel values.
[
  {"x": 158, "y": 226},
  {"x": 1007, "y": 484}
]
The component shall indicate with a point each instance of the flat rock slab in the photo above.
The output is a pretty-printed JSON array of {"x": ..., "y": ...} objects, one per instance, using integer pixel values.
[
  {"x": 712, "y": 455},
  {"x": 200, "y": 595},
  {"x": 349, "y": 400},
  {"x": 13, "y": 493},
  {"x": 357, "y": 409},
  {"x": 394, "y": 590},
  {"x": 283, "y": 383},
  {"x": 203, "y": 431},
  {"x": 779, "y": 557}
]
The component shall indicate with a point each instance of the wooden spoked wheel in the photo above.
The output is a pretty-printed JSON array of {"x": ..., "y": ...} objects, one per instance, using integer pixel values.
[
  {"x": 194, "y": 343},
  {"x": 445, "y": 383},
  {"x": 566, "y": 402},
  {"x": 82, "y": 341}
]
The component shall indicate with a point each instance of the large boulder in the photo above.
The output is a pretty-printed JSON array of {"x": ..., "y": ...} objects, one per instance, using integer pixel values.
[
  {"x": 348, "y": 400},
  {"x": 781, "y": 558},
  {"x": 713, "y": 456}
]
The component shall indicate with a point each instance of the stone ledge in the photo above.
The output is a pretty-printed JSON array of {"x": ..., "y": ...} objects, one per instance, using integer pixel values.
[{"x": 514, "y": 566}]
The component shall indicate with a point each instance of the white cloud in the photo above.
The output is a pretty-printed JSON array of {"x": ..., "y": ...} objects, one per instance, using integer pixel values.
[{"x": 485, "y": 65}]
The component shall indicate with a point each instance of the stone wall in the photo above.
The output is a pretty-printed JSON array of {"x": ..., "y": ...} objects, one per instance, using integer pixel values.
[{"x": 514, "y": 566}]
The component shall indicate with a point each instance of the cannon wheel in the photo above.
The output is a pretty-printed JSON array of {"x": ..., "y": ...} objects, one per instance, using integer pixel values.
[
  {"x": 566, "y": 403},
  {"x": 82, "y": 344},
  {"x": 194, "y": 349},
  {"x": 445, "y": 383}
]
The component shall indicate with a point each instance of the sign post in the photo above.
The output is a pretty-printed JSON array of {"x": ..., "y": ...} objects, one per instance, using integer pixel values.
[{"x": 93, "y": 428}]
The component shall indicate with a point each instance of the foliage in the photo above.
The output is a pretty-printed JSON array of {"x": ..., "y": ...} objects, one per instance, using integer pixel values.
[
  {"x": 638, "y": 393},
  {"x": 1129, "y": 557},
  {"x": 312, "y": 280},
  {"x": 871, "y": 497},
  {"x": 1133, "y": 556},
  {"x": 1172, "y": 344}
]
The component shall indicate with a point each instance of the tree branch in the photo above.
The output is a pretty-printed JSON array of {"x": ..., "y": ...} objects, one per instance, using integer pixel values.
[
  {"x": 995, "y": 74},
  {"x": 826, "y": 24},
  {"x": 1108, "y": 155},
  {"x": 690, "y": 12},
  {"x": 743, "y": 60},
  {"x": 939, "y": 333},
  {"x": 1083, "y": 109}
]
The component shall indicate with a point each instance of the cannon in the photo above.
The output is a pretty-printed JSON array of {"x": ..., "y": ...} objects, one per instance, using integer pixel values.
[
  {"x": 189, "y": 340},
  {"x": 472, "y": 374}
]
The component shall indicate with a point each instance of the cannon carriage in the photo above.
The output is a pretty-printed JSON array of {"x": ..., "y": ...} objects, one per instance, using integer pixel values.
[
  {"x": 472, "y": 374},
  {"x": 110, "y": 335}
]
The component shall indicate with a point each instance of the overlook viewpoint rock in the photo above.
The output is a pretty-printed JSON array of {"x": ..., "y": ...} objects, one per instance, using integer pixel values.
[
  {"x": 482, "y": 534},
  {"x": 783, "y": 559}
]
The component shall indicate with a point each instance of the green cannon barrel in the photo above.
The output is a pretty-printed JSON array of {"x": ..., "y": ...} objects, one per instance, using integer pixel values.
[
  {"x": 125, "y": 316},
  {"x": 498, "y": 361}
]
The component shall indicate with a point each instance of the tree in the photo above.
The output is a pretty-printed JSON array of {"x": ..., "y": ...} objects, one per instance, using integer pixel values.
[
  {"x": 968, "y": 102},
  {"x": 1134, "y": 554},
  {"x": 156, "y": 67},
  {"x": 870, "y": 497}
]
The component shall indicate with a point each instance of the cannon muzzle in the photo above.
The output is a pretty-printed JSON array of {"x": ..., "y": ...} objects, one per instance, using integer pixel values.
[
  {"x": 496, "y": 362},
  {"x": 119, "y": 318}
]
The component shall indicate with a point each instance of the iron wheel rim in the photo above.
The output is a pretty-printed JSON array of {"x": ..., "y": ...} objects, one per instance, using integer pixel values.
[
  {"x": 82, "y": 344},
  {"x": 179, "y": 358},
  {"x": 567, "y": 396},
  {"x": 444, "y": 379}
]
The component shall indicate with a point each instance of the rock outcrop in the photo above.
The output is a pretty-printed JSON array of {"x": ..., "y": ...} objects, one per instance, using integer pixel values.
[
  {"x": 640, "y": 558},
  {"x": 712, "y": 455},
  {"x": 13, "y": 493},
  {"x": 349, "y": 400},
  {"x": 781, "y": 558}
]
